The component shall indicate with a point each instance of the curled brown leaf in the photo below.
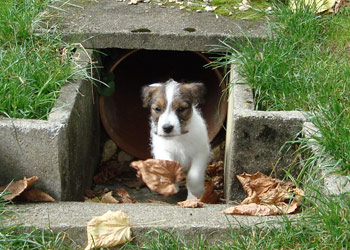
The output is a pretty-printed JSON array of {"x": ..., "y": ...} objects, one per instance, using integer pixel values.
[
  {"x": 125, "y": 196},
  {"x": 195, "y": 203},
  {"x": 34, "y": 194},
  {"x": 159, "y": 175},
  {"x": 108, "y": 198},
  {"x": 17, "y": 187},
  {"x": 266, "y": 196}
]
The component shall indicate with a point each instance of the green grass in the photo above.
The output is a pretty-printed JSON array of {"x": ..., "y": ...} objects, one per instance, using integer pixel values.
[
  {"x": 304, "y": 65},
  {"x": 33, "y": 65},
  {"x": 18, "y": 237}
]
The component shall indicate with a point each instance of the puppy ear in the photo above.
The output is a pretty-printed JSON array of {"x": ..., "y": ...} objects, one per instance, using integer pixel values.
[
  {"x": 147, "y": 92},
  {"x": 197, "y": 91}
]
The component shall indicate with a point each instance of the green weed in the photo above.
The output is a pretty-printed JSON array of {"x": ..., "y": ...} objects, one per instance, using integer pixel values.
[
  {"x": 33, "y": 65},
  {"x": 301, "y": 66}
]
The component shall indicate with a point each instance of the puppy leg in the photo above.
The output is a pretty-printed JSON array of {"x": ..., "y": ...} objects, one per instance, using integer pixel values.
[{"x": 195, "y": 178}]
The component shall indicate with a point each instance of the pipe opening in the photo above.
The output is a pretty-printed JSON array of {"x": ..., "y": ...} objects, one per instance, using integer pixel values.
[{"x": 123, "y": 117}]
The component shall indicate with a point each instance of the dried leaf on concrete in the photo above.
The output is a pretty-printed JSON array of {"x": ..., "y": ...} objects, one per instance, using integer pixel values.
[
  {"x": 210, "y": 196},
  {"x": 108, "y": 198},
  {"x": 159, "y": 175},
  {"x": 195, "y": 203},
  {"x": 125, "y": 196},
  {"x": 108, "y": 230},
  {"x": 34, "y": 194},
  {"x": 17, "y": 187},
  {"x": 266, "y": 196},
  {"x": 253, "y": 209}
]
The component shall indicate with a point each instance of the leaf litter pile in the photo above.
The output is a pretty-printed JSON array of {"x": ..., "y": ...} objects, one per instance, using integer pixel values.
[
  {"x": 266, "y": 196},
  {"x": 22, "y": 190},
  {"x": 125, "y": 180}
]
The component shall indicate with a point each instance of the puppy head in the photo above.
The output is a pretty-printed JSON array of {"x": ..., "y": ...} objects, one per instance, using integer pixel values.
[{"x": 171, "y": 105}]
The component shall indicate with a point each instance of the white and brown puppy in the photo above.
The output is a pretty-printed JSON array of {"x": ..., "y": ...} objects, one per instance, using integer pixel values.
[{"x": 178, "y": 131}]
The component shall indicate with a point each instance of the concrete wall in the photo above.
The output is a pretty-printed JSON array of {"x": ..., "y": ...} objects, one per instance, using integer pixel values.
[
  {"x": 62, "y": 151},
  {"x": 254, "y": 139}
]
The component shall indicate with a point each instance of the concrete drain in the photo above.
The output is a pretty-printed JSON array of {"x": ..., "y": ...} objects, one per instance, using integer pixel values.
[{"x": 126, "y": 122}]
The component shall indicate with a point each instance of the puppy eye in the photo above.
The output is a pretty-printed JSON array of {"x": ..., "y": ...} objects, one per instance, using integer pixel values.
[
  {"x": 180, "y": 109},
  {"x": 157, "y": 109}
]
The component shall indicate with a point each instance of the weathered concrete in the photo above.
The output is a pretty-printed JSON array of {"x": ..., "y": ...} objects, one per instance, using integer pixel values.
[
  {"x": 113, "y": 24},
  {"x": 329, "y": 179},
  {"x": 62, "y": 151},
  {"x": 72, "y": 218},
  {"x": 254, "y": 139}
]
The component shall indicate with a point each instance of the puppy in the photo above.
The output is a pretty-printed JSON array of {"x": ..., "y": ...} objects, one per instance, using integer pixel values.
[{"x": 178, "y": 131}]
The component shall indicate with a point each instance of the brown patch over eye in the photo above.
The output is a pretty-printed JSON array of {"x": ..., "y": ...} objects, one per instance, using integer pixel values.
[
  {"x": 194, "y": 91},
  {"x": 157, "y": 108},
  {"x": 183, "y": 110}
]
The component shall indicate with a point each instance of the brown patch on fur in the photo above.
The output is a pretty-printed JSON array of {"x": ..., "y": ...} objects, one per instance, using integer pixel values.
[
  {"x": 149, "y": 94},
  {"x": 190, "y": 94},
  {"x": 183, "y": 109},
  {"x": 158, "y": 107},
  {"x": 154, "y": 97},
  {"x": 195, "y": 90}
]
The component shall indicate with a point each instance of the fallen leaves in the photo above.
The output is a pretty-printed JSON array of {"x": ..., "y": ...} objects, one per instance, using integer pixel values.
[
  {"x": 108, "y": 230},
  {"x": 321, "y": 6},
  {"x": 125, "y": 197},
  {"x": 266, "y": 196},
  {"x": 22, "y": 189},
  {"x": 110, "y": 171},
  {"x": 210, "y": 196},
  {"x": 36, "y": 195},
  {"x": 108, "y": 198},
  {"x": 122, "y": 196},
  {"x": 244, "y": 5},
  {"x": 195, "y": 203},
  {"x": 159, "y": 175}
]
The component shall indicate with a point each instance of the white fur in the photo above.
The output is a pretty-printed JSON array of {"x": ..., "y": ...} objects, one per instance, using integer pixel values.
[{"x": 191, "y": 149}]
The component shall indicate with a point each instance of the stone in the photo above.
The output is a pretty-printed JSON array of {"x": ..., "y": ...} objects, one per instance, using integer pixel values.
[
  {"x": 109, "y": 149},
  {"x": 124, "y": 157}
]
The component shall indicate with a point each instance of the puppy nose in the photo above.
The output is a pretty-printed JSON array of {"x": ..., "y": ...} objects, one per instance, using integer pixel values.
[{"x": 167, "y": 128}]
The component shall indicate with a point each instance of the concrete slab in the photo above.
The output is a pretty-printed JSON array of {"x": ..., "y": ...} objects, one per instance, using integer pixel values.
[
  {"x": 113, "y": 24},
  {"x": 62, "y": 151},
  {"x": 72, "y": 218},
  {"x": 255, "y": 139}
]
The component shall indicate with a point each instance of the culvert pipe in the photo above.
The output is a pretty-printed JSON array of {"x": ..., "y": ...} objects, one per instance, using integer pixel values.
[{"x": 123, "y": 117}]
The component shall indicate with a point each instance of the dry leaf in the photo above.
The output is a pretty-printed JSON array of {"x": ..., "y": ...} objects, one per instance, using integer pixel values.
[
  {"x": 210, "y": 196},
  {"x": 157, "y": 202},
  {"x": 36, "y": 195},
  {"x": 321, "y": 5},
  {"x": 125, "y": 196},
  {"x": 210, "y": 8},
  {"x": 108, "y": 230},
  {"x": 108, "y": 198},
  {"x": 159, "y": 175},
  {"x": 17, "y": 187},
  {"x": 195, "y": 203},
  {"x": 244, "y": 5},
  {"x": 266, "y": 196},
  {"x": 253, "y": 209},
  {"x": 108, "y": 172}
]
